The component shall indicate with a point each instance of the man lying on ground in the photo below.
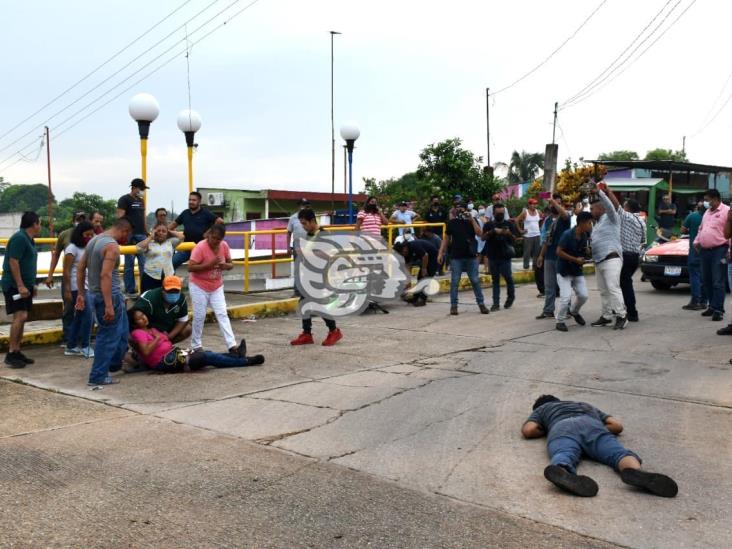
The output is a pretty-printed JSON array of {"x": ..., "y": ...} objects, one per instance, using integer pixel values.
[
  {"x": 574, "y": 428},
  {"x": 158, "y": 353}
]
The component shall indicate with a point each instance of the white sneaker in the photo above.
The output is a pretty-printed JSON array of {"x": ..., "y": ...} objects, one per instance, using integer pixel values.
[
  {"x": 87, "y": 352},
  {"x": 76, "y": 351}
]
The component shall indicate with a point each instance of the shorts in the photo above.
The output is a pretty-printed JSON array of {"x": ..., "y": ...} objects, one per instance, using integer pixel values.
[{"x": 23, "y": 304}]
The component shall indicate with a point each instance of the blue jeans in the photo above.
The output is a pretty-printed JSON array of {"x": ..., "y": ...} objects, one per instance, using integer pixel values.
[
  {"x": 67, "y": 315},
  {"x": 550, "y": 285},
  {"x": 572, "y": 437},
  {"x": 111, "y": 343},
  {"x": 698, "y": 292},
  {"x": 468, "y": 265},
  {"x": 222, "y": 360},
  {"x": 81, "y": 325},
  {"x": 179, "y": 258},
  {"x": 501, "y": 268},
  {"x": 714, "y": 274},
  {"x": 129, "y": 275}
]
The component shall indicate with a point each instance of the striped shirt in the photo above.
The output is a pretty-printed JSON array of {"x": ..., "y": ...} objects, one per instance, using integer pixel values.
[
  {"x": 370, "y": 223},
  {"x": 632, "y": 231}
]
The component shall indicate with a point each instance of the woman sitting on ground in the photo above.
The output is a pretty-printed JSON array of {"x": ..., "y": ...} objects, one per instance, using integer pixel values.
[
  {"x": 158, "y": 248},
  {"x": 158, "y": 353}
]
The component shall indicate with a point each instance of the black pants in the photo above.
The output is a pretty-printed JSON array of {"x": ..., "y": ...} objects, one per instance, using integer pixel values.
[
  {"x": 630, "y": 266},
  {"x": 539, "y": 277},
  {"x": 307, "y": 324}
]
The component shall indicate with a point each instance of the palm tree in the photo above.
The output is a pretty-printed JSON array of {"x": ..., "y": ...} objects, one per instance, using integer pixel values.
[{"x": 524, "y": 167}]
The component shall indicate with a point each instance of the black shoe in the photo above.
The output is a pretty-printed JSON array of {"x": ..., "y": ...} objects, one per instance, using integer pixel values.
[
  {"x": 708, "y": 312},
  {"x": 544, "y": 315},
  {"x": 540, "y": 295},
  {"x": 562, "y": 327},
  {"x": 115, "y": 368},
  {"x": 655, "y": 483},
  {"x": 633, "y": 317},
  {"x": 602, "y": 321},
  {"x": 242, "y": 350},
  {"x": 255, "y": 360},
  {"x": 693, "y": 306},
  {"x": 578, "y": 485},
  {"x": 495, "y": 307},
  {"x": 454, "y": 311},
  {"x": 25, "y": 358},
  {"x": 727, "y": 330},
  {"x": 420, "y": 302},
  {"x": 716, "y": 317},
  {"x": 12, "y": 360},
  {"x": 483, "y": 309},
  {"x": 578, "y": 318},
  {"x": 620, "y": 323},
  {"x": 508, "y": 303}
]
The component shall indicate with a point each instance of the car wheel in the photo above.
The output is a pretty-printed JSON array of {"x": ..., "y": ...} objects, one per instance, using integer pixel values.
[{"x": 661, "y": 285}]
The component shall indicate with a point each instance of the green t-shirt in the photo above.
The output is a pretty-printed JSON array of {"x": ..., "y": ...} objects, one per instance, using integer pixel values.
[
  {"x": 20, "y": 247},
  {"x": 692, "y": 223},
  {"x": 62, "y": 241},
  {"x": 162, "y": 316}
]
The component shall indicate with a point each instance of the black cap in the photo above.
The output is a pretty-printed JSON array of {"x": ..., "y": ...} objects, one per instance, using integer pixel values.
[
  {"x": 402, "y": 203},
  {"x": 303, "y": 201},
  {"x": 79, "y": 216},
  {"x": 138, "y": 183}
]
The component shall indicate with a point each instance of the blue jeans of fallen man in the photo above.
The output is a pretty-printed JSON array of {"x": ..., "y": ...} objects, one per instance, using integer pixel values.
[
  {"x": 129, "y": 276},
  {"x": 468, "y": 265},
  {"x": 572, "y": 437},
  {"x": 714, "y": 274},
  {"x": 111, "y": 342},
  {"x": 698, "y": 292}
]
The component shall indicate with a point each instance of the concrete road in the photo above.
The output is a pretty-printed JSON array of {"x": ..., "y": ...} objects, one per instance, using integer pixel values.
[{"x": 405, "y": 434}]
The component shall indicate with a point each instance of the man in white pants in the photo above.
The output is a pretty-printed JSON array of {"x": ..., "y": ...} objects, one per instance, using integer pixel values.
[
  {"x": 571, "y": 255},
  {"x": 208, "y": 260},
  {"x": 607, "y": 253}
]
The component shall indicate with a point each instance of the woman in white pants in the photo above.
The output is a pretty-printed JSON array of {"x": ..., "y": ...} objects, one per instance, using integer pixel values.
[{"x": 208, "y": 260}]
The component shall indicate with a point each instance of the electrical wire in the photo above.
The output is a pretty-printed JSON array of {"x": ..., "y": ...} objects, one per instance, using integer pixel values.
[
  {"x": 593, "y": 82},
  {"x": 95, "y": 70},
  {"x": 100, "y": 84},
  {"x": 552, "y": 54}
]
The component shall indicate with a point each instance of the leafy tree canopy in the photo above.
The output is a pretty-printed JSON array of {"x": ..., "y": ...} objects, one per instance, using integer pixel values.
[
  {"x": 524, "y": 167},
  {"x": 22, "y": 198},
  {"x": 88, "y": 203},
  {"x": 666, "y": 154},
  {"x": 619, "y": 155}
]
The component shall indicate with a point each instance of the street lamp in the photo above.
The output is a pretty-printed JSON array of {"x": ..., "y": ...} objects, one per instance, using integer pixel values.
[
  {"x": 189, "y": 122},
  {"x": 144, "y": 109},
  {"x": 350, "y": 133}
]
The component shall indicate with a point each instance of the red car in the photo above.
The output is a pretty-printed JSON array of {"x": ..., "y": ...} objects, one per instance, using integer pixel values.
[{"x": 664, "y": 265}]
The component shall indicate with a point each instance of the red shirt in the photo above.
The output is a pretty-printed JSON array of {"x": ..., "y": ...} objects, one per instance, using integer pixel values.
[{"x": 209, "y": 281}]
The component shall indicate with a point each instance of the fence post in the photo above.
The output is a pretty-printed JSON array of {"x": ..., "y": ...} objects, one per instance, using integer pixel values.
[
  {"x": 246, "y": 262},
  {"x": 274, "y": 255}
]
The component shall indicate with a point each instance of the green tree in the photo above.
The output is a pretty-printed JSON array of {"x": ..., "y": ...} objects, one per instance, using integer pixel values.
[
  {"x": 393, "y": 190},
  {"x": 23, "y": 198},
  {"x": 524, "y": 166},
  {"x": 619, "y": 155},
  {"x": 666, "y": 154},
  {"x": 88, "y": 203}
]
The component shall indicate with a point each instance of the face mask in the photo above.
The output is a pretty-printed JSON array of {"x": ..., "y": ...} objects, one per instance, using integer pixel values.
[
  {"x": 171, "y": 297},
  {"x": 481, "y": 211},
  {"x": 86, "y": 239},
  {"x": 470, "y": 206},
  {"x": 122, "y": 241},
  {"x": 706, "y": 204},
  {"x": 498, "y": 217}
]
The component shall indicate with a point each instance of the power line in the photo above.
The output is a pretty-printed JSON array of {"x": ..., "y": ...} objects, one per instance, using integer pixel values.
[
  {"x": 95, "y": 70},
  {"x": 99, "y": 85},
  {"x": 546, "y": 60},
  {"x": 612, "y": 64}
]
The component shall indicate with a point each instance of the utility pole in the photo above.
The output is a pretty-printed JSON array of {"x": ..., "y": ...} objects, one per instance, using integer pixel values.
[
  {"x": 488, "y": 126},
  {"x": 550, "y": 158},
  {"x": 683, "y": 145},
  {"x": 50, "y": 193},
  {"x": 554, "y": 128},
  {"x": 332, "y": 126}
]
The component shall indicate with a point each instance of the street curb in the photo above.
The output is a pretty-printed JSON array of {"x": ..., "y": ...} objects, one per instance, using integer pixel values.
[{"x": 276, "y": 307}]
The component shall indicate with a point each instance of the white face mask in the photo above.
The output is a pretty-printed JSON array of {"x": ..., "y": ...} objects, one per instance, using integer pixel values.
[
  {"x": 481, "y": 211},
  {"x": 706, "y": 204}
]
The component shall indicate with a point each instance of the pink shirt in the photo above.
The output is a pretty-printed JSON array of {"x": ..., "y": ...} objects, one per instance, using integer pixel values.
[
  {"x": 163, "y": 347},
  {"x": 711, "y": 231},
  {"x": 370, "y": 222},
  {"x": 209, "y": 281}
]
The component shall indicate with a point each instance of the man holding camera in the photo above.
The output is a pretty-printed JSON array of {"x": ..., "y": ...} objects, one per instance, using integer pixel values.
[{"x": 460, "y": 241}]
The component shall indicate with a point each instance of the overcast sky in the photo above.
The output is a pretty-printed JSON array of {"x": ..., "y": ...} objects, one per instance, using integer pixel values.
[{"x": 409, "y": 72}]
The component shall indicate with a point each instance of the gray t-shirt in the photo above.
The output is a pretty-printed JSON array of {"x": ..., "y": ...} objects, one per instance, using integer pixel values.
[
  {"x": 549, "y": 414},
  {"x": 94, "y": 260},
  {"x": 295, "y": 227}
]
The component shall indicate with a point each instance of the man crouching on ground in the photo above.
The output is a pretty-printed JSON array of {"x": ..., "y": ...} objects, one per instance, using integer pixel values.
[{"x": 574, "y": 428}]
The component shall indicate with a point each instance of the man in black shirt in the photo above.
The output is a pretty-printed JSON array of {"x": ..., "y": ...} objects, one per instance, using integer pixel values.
[
  {"x": 574, "y": 429},
  {"x": 463, "y": 247},
  {"x": 436, "y": 214},
  {"x": 132, "y": 207},
  {"x": 196, "y": 221},
  {"x": 423, "y": 252},
  {"x": 499, "y": 235},
  {"x": 572, "y": 251}
]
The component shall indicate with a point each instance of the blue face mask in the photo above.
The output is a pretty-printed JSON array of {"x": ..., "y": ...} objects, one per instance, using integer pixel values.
[{"x": 171, "y": 297}]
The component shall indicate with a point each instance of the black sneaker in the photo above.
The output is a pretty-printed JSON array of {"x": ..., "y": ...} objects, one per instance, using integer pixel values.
[
  {"x": 483, "y": 309},
  {"x": 578, "y": 318},
  {"x": 544, "y": 315},
  {"x": 508, "y": 303},
  {"x": 620, "y": 323},
  {"x": 454, "y": 311},
  {"x": 717, "y": 316},
  {"x": 562, "y": 327},
  {"x": 495, "y": 307},
  {"x": 727, "y": 330},
  {"x": 693, "y": 306},
  {"x": 708, "y": 312},
  {"x": 255, "y": 360},
  {"x": 242, "y": 350},
  {"x": 655, "y": 483},
  {"x": 633, "y": 317},
  {"x": 25, "y": 358},
  {"x": 12, "y": 360},
  {"x": 578, "y": 485},
  {"x": 602, "y": 321}
]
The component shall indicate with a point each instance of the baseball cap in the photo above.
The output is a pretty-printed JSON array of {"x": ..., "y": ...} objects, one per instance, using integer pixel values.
[
  {"x": 402, "y": 203},
  {"x": 172, "y": 283},
  {"x": 303, "y": 201},
  {"x": 532, "y": 201},
  {"x": 138, "y": 184}
]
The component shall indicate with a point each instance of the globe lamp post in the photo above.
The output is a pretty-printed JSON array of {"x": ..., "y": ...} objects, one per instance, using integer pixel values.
[
  {"x": 189, "y": 122},
  {"x": 350, "y": 133}
]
